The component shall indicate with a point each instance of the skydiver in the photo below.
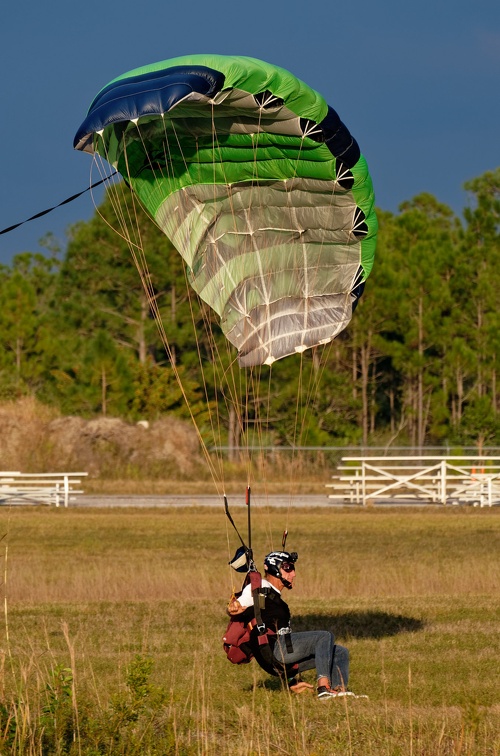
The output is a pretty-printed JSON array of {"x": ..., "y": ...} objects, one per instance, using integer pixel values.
[{"x": 314, "y": 649}]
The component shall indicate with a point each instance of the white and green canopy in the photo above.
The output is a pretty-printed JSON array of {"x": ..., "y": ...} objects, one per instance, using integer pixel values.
[{"x": 257, "y": 183}]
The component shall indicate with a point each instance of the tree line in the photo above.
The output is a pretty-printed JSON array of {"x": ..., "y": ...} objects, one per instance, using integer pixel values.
[{"x": 417, "y": 365}]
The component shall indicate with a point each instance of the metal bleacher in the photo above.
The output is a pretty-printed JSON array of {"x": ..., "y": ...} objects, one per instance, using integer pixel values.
[
  {"x": 56, "y": 489},
  {"x": 434, "y": 479}
]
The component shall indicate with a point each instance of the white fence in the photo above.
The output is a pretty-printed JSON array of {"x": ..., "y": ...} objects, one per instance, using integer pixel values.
[
  {"x": 443, "y": 480},
  {"x": 40, "y": 488}
]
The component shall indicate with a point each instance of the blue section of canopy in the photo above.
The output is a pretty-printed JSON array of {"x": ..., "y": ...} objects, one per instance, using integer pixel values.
[{"x": 151, "y": 93}]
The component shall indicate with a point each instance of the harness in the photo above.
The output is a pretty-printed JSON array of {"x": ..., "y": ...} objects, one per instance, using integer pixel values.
[{"x": 237, "y": 638}]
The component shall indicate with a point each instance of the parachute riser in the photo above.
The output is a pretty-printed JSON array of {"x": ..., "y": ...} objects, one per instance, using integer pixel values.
[{"x": 245, "y": 549}]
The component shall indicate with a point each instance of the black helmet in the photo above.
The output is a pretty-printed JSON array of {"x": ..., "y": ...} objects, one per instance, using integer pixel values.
[{"x": 274, "y": 562}]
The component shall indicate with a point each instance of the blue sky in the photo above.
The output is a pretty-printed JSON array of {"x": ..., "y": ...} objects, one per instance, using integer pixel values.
[{"x": 416, "y": 83}]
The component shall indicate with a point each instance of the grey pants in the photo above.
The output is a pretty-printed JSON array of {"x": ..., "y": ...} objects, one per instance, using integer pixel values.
[{"x": 316, "y": 649}]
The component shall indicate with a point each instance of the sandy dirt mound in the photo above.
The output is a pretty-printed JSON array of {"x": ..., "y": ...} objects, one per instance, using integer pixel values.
[
  {"x": 108, "y": 445},
  {"x": 35, "y": 439}
]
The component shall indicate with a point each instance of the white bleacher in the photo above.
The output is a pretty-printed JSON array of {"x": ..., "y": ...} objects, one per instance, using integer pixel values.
[
  {"x": 57, "y": 489},
  {"x": 435, "y": 479}
]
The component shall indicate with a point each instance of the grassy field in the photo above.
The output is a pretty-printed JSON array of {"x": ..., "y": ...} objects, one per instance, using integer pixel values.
[{"x": 113, "y": 619}]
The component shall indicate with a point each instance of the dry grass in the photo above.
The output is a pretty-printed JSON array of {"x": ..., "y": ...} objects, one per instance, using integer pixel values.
[
  {"x": 116, "y": 555},
  {"x": 233, "y": 486},
  {"x": 414, "y": 595}
]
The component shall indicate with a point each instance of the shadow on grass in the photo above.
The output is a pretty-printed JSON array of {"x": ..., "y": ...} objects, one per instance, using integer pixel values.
[
  {"x": 350, "y": 625},
  {"x": 358, "y": 624}
]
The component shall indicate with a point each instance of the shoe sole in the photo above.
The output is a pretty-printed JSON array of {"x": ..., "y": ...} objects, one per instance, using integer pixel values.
[{"x": 346, "y": 694}]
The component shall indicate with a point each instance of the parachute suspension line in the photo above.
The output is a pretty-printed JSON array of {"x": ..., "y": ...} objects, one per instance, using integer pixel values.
[
  {"x": 145, "y": 150},
  {"x": 213, "y": 413},
  {"x": 291, "y": 467},
  {"x": 157, "y": 316},
  {"x": 262, "y": 403},
  {"x": 317, "y": 371},
  {"x": 217, "y": 359},
  {"x": 296, "y": 429},
  {"x": 236, "y": 380},
  {"x": 232, "y": 402},
  {"x": 304, "y": 265},
  {"x": 215, "y": 418},
  {"x": 217, "y": 157},
  {"x": 251, "y": 378},
  {"x": 255, "y": 168},
  {"x": 112, "y": 192},
  {"x": 216, "y": 478},
  {"x": 169, "y": 160},
  {"x": 129, "y": 222},
  {"x": 216, "y": 148},
  {"x": 140, "y": 261},
  {"x": 215, "y": 424},
  {"x": 304, "y": 397},
  {"x": 241, "y": 416},
  {"x": 230, "y": 399},
  {"x": 130, "y": 226},
  {"x": 201, "y": 307},
  {"x": 256, "y": 387},
  {"x": 254, "y": 246},
  {"x": 245, "y": 419},
  {"x": 253, "y": 384},
  {"x": 311, "y": 390},
  {"x": 252, "y": 390},
  {"x": 115, "y": 190},
  {"x": 135, "y": 245},
  {"x": 254, "y": 394},
  {"x": 302, "y": 407},
  {"x": 224, "y": 378}
]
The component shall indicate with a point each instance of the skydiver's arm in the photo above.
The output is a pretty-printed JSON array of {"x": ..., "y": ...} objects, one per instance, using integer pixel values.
[{"x": 239, "y": 605}]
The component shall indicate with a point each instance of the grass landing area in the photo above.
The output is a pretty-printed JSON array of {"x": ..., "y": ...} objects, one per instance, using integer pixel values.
[{"x": 113, "y": 620}]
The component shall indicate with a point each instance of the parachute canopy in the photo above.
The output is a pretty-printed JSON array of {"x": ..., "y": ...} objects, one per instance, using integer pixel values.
[{"x": 257, "y": 183}]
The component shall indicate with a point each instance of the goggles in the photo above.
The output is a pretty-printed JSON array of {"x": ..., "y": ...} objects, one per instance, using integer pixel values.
[{"x": 287, "y": 567}]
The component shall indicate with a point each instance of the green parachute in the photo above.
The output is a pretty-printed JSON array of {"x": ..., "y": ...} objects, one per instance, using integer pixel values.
[{"x": 259, "y": 186}]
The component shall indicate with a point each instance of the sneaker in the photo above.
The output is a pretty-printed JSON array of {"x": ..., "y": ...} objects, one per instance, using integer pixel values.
[{"x": 325, "y": 692}]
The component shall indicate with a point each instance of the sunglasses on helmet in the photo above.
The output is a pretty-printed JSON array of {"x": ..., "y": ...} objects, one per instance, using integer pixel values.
[{"x": 288, "y": 567}]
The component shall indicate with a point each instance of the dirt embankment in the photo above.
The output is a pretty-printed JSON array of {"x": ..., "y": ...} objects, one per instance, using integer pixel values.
[{"x": 35, "y": 438}]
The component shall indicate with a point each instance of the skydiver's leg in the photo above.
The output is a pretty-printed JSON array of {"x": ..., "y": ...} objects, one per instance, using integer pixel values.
[
  {"x": 340, "y": 668},
  {"x": 314, "y": 648}
]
